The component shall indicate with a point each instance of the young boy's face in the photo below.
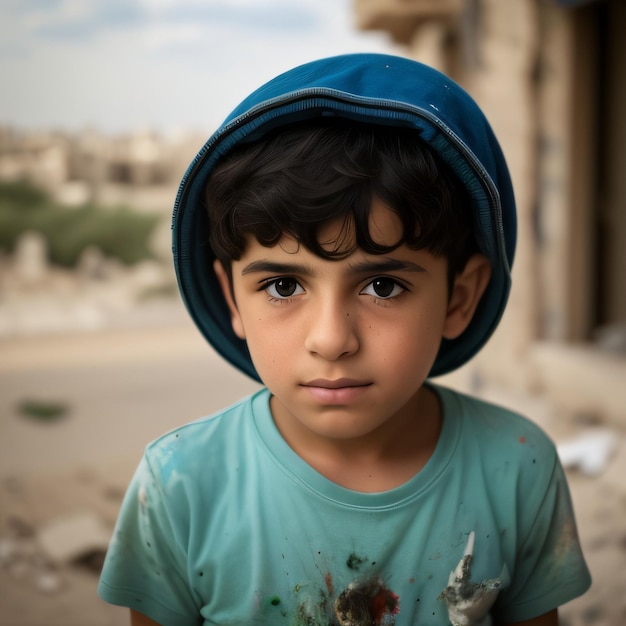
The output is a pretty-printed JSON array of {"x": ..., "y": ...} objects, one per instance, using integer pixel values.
[{"x": 345, "y": 345}]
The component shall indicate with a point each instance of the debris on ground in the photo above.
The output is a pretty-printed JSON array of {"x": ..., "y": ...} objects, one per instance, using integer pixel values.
[
  {"x": 589, "y": 452},
  {"x": 37, "y": 556},
  {"x": 43, "y": 410},
  {"x": 73, "y": 537}
]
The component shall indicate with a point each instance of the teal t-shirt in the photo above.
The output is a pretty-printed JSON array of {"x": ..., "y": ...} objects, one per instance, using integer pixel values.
[{"x": 224, "y": 524}]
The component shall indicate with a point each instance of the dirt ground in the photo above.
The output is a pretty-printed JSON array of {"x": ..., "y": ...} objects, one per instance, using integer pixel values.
[{"x": 76, "y": 412}]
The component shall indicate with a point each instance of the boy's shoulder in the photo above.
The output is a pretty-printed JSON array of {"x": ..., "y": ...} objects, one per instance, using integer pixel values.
[
  {"x": 213, "y": 436},
  {"x": 502, "y": 437},
  {"x": 501, "y": 454},
  {"x": 490, "y": 417}
]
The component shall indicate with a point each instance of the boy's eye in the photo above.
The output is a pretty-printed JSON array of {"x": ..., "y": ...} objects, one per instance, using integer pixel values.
[
  {"x": 283, "y": 288},
  {"x": 383, "y": 287}
]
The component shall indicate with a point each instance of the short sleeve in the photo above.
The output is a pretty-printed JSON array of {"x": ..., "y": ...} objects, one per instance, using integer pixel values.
[
  {"x": 146, "y": 564},
  {"x": 550, "y": 568}
]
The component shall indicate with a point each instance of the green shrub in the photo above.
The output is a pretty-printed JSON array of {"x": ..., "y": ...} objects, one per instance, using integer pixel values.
[
  {"x": 119, "y": 232},
  {"x": 22, "y": 194}
]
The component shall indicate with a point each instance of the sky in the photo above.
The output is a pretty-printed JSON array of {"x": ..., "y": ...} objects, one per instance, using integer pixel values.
[{"x": 164, "y": 65}]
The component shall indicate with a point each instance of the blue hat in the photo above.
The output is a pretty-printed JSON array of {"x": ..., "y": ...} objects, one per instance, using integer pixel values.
[{"x": 377, "y": 89}]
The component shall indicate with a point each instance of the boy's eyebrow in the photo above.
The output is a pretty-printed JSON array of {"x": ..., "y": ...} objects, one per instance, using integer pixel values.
[
  {"x": 385, "y": 264},
  {"x": 275, "y": 268}
]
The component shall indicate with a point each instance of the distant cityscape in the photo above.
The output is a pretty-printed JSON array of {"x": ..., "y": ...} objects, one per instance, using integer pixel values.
[{"x": 140, "y": 168}]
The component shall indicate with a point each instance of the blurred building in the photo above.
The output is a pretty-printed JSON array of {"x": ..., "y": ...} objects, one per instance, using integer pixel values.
[
  {"x": 142, "y": 169},
  {"x": 551, "y": 77}
]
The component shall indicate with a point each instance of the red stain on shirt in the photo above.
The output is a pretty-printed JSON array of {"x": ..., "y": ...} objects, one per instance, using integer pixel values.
[
  {"x": 385, "y": 602},
  {"x": 328, "y": 579}
]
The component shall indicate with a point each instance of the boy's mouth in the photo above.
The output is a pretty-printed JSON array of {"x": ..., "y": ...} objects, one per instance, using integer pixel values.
[
  {"x": 339, "y": 392},
  {"x": 339, "y": 383}
]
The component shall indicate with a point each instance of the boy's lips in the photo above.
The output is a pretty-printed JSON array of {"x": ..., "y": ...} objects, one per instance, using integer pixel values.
[
  {"x": 336, "y": 392},
  {"x": 339, "y": 383}
]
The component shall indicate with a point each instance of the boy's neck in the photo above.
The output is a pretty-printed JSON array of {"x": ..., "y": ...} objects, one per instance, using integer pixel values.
[{"x": 380, "y": 461}]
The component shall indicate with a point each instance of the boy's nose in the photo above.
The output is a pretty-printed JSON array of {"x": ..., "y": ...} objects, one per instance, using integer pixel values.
[{"x": 332, "y": 332}]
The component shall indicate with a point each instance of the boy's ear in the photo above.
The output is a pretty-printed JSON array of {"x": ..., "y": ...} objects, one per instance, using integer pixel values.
[
  {"x": 227, "y": 292},
  {"x": 467, "y": 290}
]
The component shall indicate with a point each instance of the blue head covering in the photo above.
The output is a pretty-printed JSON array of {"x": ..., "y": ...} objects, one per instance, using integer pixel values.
[{"x": 377, "y": 89}]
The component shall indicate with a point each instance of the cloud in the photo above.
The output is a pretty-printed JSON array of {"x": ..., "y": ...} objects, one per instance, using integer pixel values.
[
  {"x": 82, "y": 20},
  {"x": 40, "y": 19},
  {"x": 119, "y": 64},
  {"x": 270, "y": 16}
]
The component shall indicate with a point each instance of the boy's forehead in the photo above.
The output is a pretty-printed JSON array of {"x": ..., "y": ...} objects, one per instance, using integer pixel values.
[
  {"x": 337, "y": 236},
  {"x": 385, "y": 229}
]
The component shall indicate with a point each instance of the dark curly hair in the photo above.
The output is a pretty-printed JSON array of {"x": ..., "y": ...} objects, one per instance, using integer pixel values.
[{"x": 298, "y": 178}]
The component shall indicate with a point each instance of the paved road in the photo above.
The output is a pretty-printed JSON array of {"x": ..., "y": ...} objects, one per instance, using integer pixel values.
[{"x": 122, "y": 388}]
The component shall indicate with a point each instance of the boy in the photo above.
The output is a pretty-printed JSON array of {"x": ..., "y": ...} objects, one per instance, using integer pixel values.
[{"x": 344, "y": 236}]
